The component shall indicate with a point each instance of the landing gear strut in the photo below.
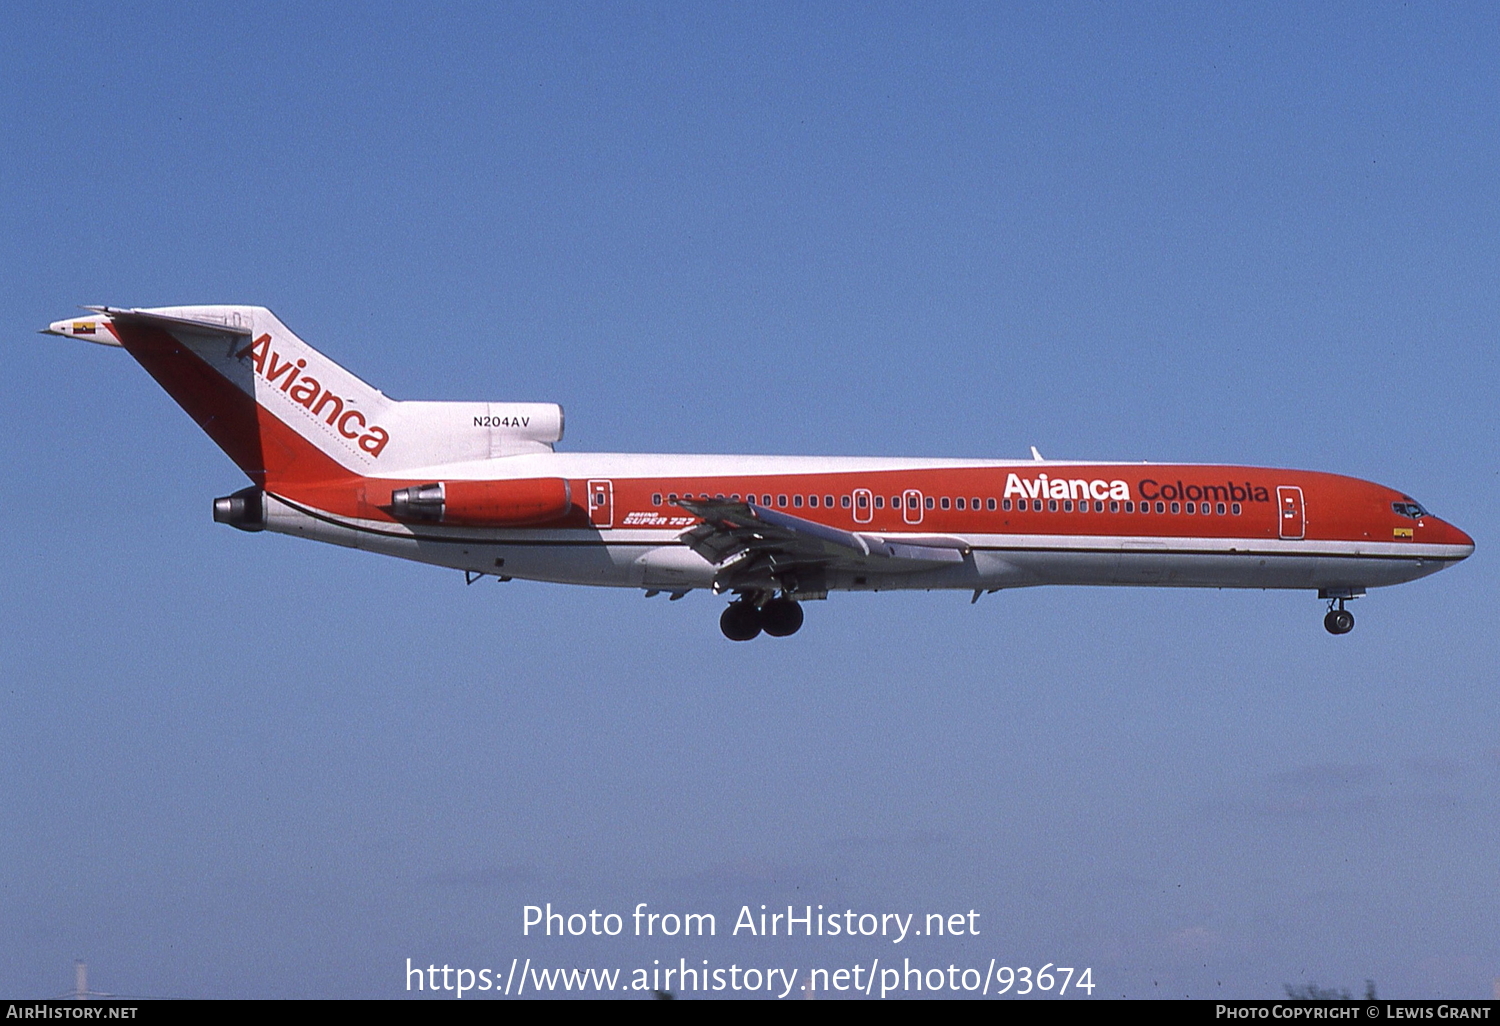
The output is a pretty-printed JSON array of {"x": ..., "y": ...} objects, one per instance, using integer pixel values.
[
  {"x": 1339, "y": 620},
  {"x": 743, "y": 620}
]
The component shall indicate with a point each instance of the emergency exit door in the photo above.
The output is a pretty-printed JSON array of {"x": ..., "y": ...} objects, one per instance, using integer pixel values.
[{"x": 911, "y": 506}]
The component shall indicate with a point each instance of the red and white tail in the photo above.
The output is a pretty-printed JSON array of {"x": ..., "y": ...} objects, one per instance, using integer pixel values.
[{"x": 287, "y": 414}]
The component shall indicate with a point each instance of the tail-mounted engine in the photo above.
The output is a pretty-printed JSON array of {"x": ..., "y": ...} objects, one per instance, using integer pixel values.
[
  {"x": 245, "y": 509},
  {"x": 484, "y": 503}
]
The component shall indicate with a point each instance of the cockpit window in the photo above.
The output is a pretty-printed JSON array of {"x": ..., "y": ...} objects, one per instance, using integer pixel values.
[{"x": 1409, "y": 509}]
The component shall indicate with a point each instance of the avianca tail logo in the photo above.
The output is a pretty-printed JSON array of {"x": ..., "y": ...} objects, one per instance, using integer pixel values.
[{"x": 306, "y": 390}]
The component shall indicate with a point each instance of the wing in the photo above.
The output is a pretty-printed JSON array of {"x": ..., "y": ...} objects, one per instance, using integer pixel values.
[{"x": 754, "y": 546}]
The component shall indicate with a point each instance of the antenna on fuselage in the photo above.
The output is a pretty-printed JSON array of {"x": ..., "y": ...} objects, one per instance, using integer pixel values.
[{"x": 1036, "y": 455}]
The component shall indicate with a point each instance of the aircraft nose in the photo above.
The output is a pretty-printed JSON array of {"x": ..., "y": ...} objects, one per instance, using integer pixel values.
[{"x": 1447, "y": 534}]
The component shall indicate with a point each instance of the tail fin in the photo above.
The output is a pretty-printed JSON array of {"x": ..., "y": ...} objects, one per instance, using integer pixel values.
[
  {"x": 275, "y": 405},
  {"x": 287, "y": 414}
]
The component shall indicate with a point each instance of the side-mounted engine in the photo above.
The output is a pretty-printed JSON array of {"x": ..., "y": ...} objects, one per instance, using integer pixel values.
[{"x": 484, "y": 503}]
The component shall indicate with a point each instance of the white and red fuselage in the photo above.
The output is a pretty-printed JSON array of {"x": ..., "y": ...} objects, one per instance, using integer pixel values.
[{"x": 479, "y": 487}]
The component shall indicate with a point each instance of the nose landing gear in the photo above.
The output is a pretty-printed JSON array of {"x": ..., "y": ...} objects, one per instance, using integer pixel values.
[
  {"x": 744, "y": 619},
  {"x": 1339, "y": 620}
]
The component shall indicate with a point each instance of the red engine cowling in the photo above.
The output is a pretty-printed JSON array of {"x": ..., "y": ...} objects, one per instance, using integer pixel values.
[{"x": 484, "y": 503}]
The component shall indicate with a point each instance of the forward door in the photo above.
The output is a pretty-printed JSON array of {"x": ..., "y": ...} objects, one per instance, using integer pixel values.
[{"x": 1293, "y": 516}]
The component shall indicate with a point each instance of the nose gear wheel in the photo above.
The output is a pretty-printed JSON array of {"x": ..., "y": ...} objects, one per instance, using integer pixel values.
[{"x": 1339, "y": 620}]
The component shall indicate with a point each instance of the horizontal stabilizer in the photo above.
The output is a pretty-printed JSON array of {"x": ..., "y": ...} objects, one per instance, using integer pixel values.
[{"x": 195, "y": 325}]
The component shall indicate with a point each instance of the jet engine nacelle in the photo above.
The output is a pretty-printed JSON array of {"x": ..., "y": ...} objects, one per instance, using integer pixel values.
[
  {"x": 245, "y": 509},
  {"x": 484, "y": 503}
]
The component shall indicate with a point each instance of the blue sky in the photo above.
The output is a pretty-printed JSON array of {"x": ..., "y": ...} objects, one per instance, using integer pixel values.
[{"x": 242, "y": 765}]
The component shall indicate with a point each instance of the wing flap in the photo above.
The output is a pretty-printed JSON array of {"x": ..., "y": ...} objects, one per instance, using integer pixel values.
[
  {"x": 744, "y": 538},
  {"x": 925, "y": 553}
]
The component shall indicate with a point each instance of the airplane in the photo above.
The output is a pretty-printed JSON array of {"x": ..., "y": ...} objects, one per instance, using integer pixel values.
[{"x": 480, "y": 487}]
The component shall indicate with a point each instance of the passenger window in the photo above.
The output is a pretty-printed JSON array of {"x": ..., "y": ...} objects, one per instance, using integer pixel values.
[
  {"x": 797, "y": 501},
  {"x": 1098, "y": 506},
  {"x": 1067, "y": 505},
  {"x": 1176, "y": 507},
  {"x": 1006, "y": 504},
  {"x": 929, "y": 502},
  {"x": 1235, "y": 509},
  {"x": 911, "y": 502},
  {"x": 880, "y": 502},
  {"x": 959, "y": 502},
  {"x": 656, "y": 499},
  {"x": 781, "y": 500},
  {"x": 828, "y": 501},
  {"x": 1161, "y": 507},
  {"x": 1114, "y": 507},
  {"x": 1052, "y": 505},
  {"x": 1021, "y": 506},
  {"x": 991, "y": 504},
  {"x": 844, "y": 501},
  {"x": 1219, "y": 509},
  {"x": 945, "y": 502},
  {"x": 1190, "y": 508},
  {"x": 1130, "y": 507},
  {"x": 812, "y": 500},
  {"x": 974, "y": 503}
]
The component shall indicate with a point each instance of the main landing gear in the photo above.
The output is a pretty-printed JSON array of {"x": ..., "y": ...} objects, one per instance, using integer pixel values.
[
  {"x": 1339, "y": 620},
  {"x": 744, "y": 618}
]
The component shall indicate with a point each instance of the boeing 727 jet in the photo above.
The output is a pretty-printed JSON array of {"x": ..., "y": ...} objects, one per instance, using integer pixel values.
[{"x": 480, "y": 487}]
